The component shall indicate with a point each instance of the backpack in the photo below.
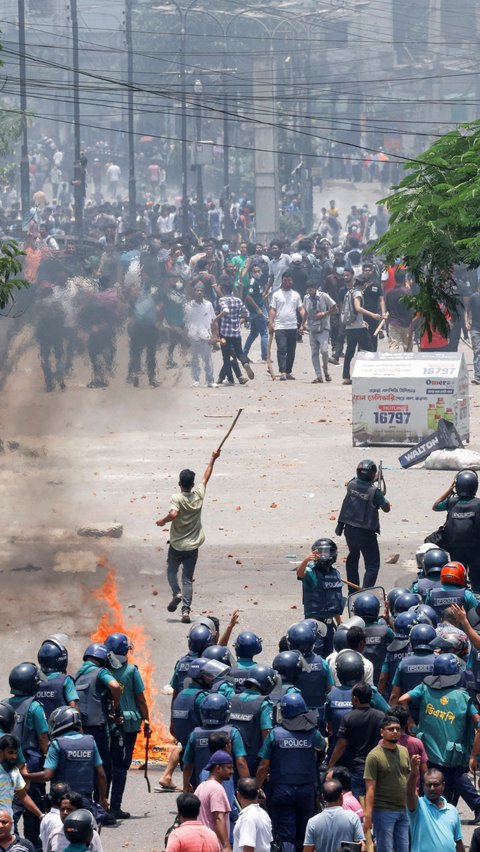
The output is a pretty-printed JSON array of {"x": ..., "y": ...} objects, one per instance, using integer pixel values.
[{"x": 348, "y": 312}]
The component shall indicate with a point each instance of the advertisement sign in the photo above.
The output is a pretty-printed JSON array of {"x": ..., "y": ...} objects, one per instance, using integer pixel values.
[{"x": 400, "y": 397}]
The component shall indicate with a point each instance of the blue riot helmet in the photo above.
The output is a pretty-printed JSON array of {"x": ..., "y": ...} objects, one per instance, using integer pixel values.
[
  {"x": 367, "y": 606},
  {"x": 425, "y": 614},
  {"x": 118, "y": 645},
  {"x": 292, "y": 704},
  {"x": 340, "y": 639},
  {"x": 466, "y": 484},
  {"x": 393, "y": 595},
  {"x": 199, "y": 638},
  {"x": 446, "y": 664},
  {"x": 404, "y": 622},
  {"x": 7, "y": 717},
  {"x": 288, "y": 665},
  {"x": 195, "y": 671},
  {"x": 79, "y": 827},
  {"x": 349, "y": 667},
  {"x": 24, "y": 679},
  {"x": 98, "y": 652},
  {"x": 326, "y": 552},
  {"x": 64, "y": 719},
  {"x": 405, "y": 601},
  {"x": 421, "y": 636},
  {"x": 52, "y": 656},
  {"x": 301, "y": 637},
  {"x": 434, "y": 560},
  {"x": 263, "y": 677},
  {"x": 367, "y": 470},
  {"x": 218, "y": 652},
  {"x": 247, "y": 645},
  {"x": 214, "y": 710}
]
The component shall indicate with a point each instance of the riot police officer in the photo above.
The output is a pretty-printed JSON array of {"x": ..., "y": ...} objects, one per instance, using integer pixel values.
[
  {"x": 453, "y": 579},
  {"x": 247, "y": 646},
  {"x": 322, "y": 588},
  {"x": 199, "y": 637},
  {"x": 404, "y": 602},
  {"x": 214, "y": 715},
  {"x": 134, "y": 711},
  {"x": 73, "y": 758},
  {"x": 289, "y": 755},
  {"x": 350, "y": 670},
  {"x": 251, "y": 711},
  {"x": 378, "y": 633},
  {"x": 58, "y": 690},
  {"x": 398, "y": 648},
  {"x": 461, "y": 531},
  {"x": 433, "y": 561},
  {"x": 359, "y": 520},
  {"x": 414, "y": 667},
  {"x": 316, "y": 679}
]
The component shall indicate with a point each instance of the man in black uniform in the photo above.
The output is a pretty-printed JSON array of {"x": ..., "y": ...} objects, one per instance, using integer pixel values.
[
  {"x": 461, "y": 535},
  {"x": 359, "y": 519}
]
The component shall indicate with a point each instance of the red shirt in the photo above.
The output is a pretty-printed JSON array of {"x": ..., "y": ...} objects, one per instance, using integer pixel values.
[{"x": 192, "y": 836}]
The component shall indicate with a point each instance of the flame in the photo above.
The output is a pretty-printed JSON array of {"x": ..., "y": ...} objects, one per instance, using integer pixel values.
[{"x": 112, "y": 621}]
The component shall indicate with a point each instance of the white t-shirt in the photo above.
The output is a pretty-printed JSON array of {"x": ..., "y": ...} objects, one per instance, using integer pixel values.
[
  {"x": 286, "y": 304},
  {"x": 58, "y": 842},
  {"x": 198, "y": 319},
  {"x": 276, "y": 267},
  {"x": 113, "y": 173},
  {"x": 253, "y": 828}
]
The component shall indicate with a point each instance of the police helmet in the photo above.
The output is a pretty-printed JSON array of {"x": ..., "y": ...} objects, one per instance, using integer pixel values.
[
  {"x": 340, "y": 639},
  {"x": 425, "y": 614},
  {"x": 79, "y": 826},
  {"x": 466, "y": 483},
  {"x": 195, "y": 670},
  {"x": 301, "y": 637},
  {"x": 454, "y": 573},
  {"x": 119, "y": 644},
  {"x": 367, "y": 470},
  {"x": 392, "y": 596},
  {"x": 52, "y": 656},
  {"x": 24, "y": 679},
  {"x": 288, "y": 665},
  {"x": 367, "y": 606},
  {"x": 421, "y": 637},
  {"x": 452, "y": 643},
  {"x": 247, "y": 645},
  {"x": 405, "y": 601},
  {"x": 404, "y": 622},
  {"x": 349, "y": 667},
  {"x": 199, "y": 638},
  {"x": 446, "y": 664},
  {"x": 7, "y": 717},
  {"x": 326, "y": 551},
  {"x": 421, "y": 551},
  {"x": 265, "y": 677},
  {"x": 214, "y": 709},
  {"x": 64, "y": 719},
  {"x": 292, "y": 704},
  {"x": 214, "y": 669},
  {"x": 434, "y": 561},
  {"x": 97, "y": 651},
  {"x": 218, "y": 652}
]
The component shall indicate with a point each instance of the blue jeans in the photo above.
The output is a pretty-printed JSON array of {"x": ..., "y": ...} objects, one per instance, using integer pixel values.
[
  {"x": 358, "y": 783},
  {"x": 258, "y": 326},
  {"x": 475, "y": 338},
  {"x": 391, "y": 830}
]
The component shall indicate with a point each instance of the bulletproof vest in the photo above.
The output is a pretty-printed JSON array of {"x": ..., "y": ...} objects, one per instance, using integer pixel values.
[
  {"x": 424, "y": 586},
  {"x": 76, "y": 763},
  {"x": 237, "y": 675},
  {"x": 182, "y": 668},
  {"x": 293, "y": 758},
  {"x": 414, "y": 669},
  {"x": 440, "y": 599},
  {"x": 245, "y": 715},
  {"x": 89, "y": 702},
  {"x": 357, "y": 508},
  {"x": 184, "y": 714},
  {"x": 462, "y": 524},
  {"x": 340, "y": 703},
  {"x": 393, "y": 659},
  {"x": 325, "y": 599},
  {"x": 202, "y": 751},
  {"x": 376, "y": 647},
  {"x": 50, "y": 694},
  {"x": 475, "y": 667},
  {"x": 27, "y": 738},
  {"x": 312, "y": 684}
]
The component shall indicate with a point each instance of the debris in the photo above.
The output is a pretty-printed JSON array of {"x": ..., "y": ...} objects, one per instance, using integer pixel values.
[
  {"x": 112, "y": 530},
  {"x": 273, "y": 506},
  {"x": 393, "y": 559}
]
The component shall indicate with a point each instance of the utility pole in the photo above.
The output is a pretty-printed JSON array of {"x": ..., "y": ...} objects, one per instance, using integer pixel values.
[
  {"x": 185, "y": 228},
  {"x": 200, "y": 222},
  {"x": 132, "y": 191},
  {"x": 78, "y": 177},
  {"x": 226, "y": 152},
  {"x": 24, "y": 164}
]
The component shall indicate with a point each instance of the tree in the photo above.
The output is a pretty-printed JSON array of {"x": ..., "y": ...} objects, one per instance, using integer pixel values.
[
  {"x": 10, "y": 268},
  {"x": 434, "y": 221}
]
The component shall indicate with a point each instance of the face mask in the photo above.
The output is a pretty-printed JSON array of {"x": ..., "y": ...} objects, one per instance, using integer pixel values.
[
  {"x": 339, "y": 270},
  {"x": 179, "y": 285},
  {"x": 180, "y": 259},
  {"x": 225, "y": 247},
  {"x": 116, "y": 661}
]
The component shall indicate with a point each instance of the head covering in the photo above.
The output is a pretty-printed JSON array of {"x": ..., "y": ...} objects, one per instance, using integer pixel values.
[
  {"x": 199, "y": 285},
  {"x": 218, "y": 758},
  {"x": 296, "y": 257}
]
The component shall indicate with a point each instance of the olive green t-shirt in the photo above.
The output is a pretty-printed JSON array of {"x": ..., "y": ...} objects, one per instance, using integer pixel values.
[
  {"x": 186, "y": 531},
  {"x": 390, "y": 769}
]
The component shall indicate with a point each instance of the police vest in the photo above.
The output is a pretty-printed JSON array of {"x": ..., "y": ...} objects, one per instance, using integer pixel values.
[
  {"x": 245, "y": 715},
  {"x": 27, "y": 738},
  {"x": 182, "y": 668},
  {"x": 475, "y": 667},
  {"x": 76, "y": 763},
  {"x": 128, "y": 705},
  {"x": 393, "y": 659},
  {"x": 312, "y": 684},
  {"x": 440, "y": 599},
  {"x": 413, "y": 670},
  {"x": 325, "y": 599},
  {"x": 237, "y": 675},
  {"x": 339, "y": 703},
  {"x": 357, "y": 508},
  {"x": 200, "y": 743},
  {"x": 50, "y": 694},
  {"x": 462, "y": 525},
  {"x": 184, "y": 713},
  {"x": 293, "y": 758},
  {"x": 89, "y": 702},
  {"x": 376, "y": 647},
  {"x": 424, "y": 586}
]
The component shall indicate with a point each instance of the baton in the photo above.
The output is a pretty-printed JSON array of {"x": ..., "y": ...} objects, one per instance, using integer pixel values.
[
  {"x": 145, "y": 768},
  {"x": 380, "y": 326},
  {"x": 231, "y": 429},
  {"x": 352, "y": 585},
  {"x": 269, "y": 356}
]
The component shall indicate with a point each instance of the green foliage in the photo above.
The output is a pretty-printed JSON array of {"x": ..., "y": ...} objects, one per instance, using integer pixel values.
[
  {"x": 434, "y": 221},
  {"x": 10, "y": 268},
  {"x": 292, "y": 225}
]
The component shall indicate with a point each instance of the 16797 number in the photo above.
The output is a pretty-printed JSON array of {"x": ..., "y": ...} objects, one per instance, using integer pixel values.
[{"x": 398, "y": 417}]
